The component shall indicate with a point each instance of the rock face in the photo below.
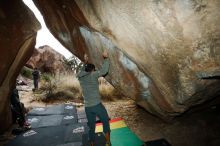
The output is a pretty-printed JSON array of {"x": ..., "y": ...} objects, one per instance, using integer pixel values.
[
  {"x": 18, "y": 30},
  {"x": 47, "y": 60},
  {"x": 164, "y": 54}
]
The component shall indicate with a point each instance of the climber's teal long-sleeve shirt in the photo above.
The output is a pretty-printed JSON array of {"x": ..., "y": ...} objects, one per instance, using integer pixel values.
[{"x": 89, "y": 84}]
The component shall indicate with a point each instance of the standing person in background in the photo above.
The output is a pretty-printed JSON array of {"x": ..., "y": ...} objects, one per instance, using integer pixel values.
[
  {"x": 88, "y": 78},
  {"x": 36, "y": 77}
]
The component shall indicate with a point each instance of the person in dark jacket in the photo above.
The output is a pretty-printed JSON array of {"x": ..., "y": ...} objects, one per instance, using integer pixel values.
[
  {"x": 18, "y": 109},
  {"x": 88, "y": 78},
  {"x": 36, "y": 77}
]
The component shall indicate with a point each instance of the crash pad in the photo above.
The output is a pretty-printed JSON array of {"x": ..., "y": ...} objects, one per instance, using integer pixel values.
[
  {"x": 51, "y": 120},
  {"x": 60, "y": 109},
  {"x": 121, "y": 135},
  {"x": 51, "y": 136}
]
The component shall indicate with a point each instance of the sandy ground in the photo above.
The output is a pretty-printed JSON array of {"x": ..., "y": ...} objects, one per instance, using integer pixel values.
[{"x": 200, "y": 128}]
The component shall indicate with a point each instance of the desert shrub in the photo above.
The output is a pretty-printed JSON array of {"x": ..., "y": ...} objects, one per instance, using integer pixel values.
[
  {"x": 47, "y": 84},
  {"x": 46, "y": 77},
  {"x": 61, "y": 87},
  {"x": 108, "y": 92},
  {"x": 26, "y": 72},
  {"x": 67, "y": 87}
]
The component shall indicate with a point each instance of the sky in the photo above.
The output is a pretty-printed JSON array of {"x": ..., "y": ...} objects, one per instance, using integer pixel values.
[{"x": 44, "y": 37}]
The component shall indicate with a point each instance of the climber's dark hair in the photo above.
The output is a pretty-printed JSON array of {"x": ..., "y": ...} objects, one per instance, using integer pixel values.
[{"x": 89, "y": 67}]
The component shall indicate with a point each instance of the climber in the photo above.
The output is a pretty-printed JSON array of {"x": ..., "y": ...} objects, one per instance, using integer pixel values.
[
  {"x": 88, "y": 78},
  {"x": 36, "y": 77}
]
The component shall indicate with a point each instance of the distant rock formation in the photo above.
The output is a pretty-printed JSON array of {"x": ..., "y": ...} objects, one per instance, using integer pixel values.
[{"x": 46, "y": 59}]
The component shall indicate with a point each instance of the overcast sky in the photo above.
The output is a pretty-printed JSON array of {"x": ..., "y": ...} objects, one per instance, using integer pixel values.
[{"x": 44, "y": 37}]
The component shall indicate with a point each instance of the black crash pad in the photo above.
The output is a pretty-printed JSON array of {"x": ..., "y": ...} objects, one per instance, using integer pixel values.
[
  {"x": 71, "y": 144},
  {"x": 51, "y": 120},
  {"x": 60, "y": 109},
  {"x": 99, "y": 139},
  {"x": 82, "y": 120},
  {"x": 158, "y": 142},
  {"x": 51, "y": 136},
  {"x": 81, "y": 114}
]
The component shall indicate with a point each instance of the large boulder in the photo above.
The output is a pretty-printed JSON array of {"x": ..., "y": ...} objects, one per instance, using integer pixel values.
[
  {"x": 164, "y": 54},
  {"x": 18, "y": 30},
  {"x": 46, "y": 59}
]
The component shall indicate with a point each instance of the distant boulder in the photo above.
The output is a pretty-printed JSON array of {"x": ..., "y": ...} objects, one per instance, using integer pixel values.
[{"x": 46, "y": 59}]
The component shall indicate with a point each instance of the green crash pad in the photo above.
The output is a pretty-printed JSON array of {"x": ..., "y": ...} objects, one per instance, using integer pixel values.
[{"x": 124, "y": 137}]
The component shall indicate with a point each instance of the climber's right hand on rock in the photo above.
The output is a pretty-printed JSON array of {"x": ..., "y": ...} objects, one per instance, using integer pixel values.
[
  {"x": 86, "y": 58},
  {"x": 105, "y": 54}
]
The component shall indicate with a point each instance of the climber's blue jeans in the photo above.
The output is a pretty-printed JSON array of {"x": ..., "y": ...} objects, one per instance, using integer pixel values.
[{"x": 91, "y": 113}]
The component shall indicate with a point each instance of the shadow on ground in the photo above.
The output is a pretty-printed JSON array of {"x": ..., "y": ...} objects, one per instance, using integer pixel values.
[{"x": 195, "y": 128}]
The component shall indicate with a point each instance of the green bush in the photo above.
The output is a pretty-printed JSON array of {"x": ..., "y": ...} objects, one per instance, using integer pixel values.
[
  {"x": 48, "y": 83},
  {"x": 26, "y": 72},
  {"x": 46, "y": 77}
]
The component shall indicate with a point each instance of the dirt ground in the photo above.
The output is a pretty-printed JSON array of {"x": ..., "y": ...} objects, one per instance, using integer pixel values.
[
  {"x": 192, "y": 129},
  {"x": 199, "y": 128}
]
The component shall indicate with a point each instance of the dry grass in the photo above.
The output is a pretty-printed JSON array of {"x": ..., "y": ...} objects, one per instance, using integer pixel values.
[
  {"x": 108, "y": 92},
  {"x": 67, "y": 87},
  {"x": 60, "y": 87}
]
